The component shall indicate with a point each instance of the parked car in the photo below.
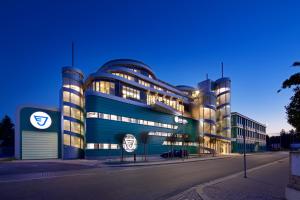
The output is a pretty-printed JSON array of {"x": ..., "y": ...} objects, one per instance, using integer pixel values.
[{"x": 175, "y": 153}]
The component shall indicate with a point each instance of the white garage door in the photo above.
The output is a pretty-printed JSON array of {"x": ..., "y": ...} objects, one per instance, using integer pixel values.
[{"x": 39, "y": 145}]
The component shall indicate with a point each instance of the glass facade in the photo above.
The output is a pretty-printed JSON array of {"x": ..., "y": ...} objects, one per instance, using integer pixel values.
[{"x": 72, "y": 107}]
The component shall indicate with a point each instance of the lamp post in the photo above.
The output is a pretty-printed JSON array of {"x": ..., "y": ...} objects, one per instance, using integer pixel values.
[{"x": 244, "y": 138}]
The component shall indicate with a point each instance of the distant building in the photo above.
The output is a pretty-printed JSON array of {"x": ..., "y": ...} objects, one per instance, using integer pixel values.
[{"x": 254, "y": 131}]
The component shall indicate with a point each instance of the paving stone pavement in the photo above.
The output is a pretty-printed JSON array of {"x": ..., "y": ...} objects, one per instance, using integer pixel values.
[
  {"x": 265, "y": 183},
  {"x": 190, "y": 194}
]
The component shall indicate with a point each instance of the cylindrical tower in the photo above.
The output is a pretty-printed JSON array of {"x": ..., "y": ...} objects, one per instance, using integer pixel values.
[
  {"x": 207, "y": 108},
  {"x": 223, "y": 92},
  {"x": 72, "y": 113}
]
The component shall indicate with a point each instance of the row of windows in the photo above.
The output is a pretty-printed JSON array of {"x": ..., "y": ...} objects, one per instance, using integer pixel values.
[
  {"x": 73, "y": 141},
  {"x": 72, "y": 98},
  {"x": 250, "y": 124},
  {"x": 180, "y": 143},
  {"x": 102, "y": 146},
  {"x": 140, "y": 81},
  {"x": 207, "y": 128},
  {"x": 250, "y": 134},
  {"x": 207, "y": 113},
  {"x": 72, "y": 84},
  {"x": 151, "y": 99},
  {"x": 144, "y": 83},
  {"x": 223, "y": 99},
  {"x": 131, "y": 78},
  {"x": 128, "y": 92},
  {"x": 222, "y": 87},
  {"x": 74, "y": 127},
  {"x": 73, "y": 112},
  {"x": 129, "y": 120},
  {"x": 224, "y": 123}
]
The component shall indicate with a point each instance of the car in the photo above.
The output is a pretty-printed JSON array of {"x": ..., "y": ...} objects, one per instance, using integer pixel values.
[{"x": 175, "y": 153}]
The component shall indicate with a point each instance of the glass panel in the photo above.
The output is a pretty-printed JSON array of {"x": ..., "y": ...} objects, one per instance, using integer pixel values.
[{"x": 67, "y": 140}]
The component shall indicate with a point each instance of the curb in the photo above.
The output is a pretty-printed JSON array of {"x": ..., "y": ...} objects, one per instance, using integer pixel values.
[{"x": 166, "y": 163}]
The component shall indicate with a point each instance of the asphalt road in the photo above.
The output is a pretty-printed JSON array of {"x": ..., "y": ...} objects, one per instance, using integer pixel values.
[{"x": 151, "y": 182}]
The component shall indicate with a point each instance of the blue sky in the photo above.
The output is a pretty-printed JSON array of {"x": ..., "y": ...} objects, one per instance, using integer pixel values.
[{"x": 180, "y": 40}]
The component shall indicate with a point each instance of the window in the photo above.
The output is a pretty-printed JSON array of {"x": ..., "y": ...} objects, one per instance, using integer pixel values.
[
  {"x": 75, "y": 141},
  {"x": 72, "y": 98},
  {"x": 105, "y": 87},
  {"x": 76, "y": 128},
  {"x": 158, "y": 88},
  {"x": 90, "y": 146},
  {"x": 114, "y": 117},
  {"x": 124, "y": 76},
  {"x": 66, "y": 125},
  {"x": 130, "y": 93},
  {"x": 68, "y": 83},
  {"x": 144, "y": 83},
  {"x": 92, "y": 115},
  {"x": 77, "y": 114},
  {"x": 67, "y": 140}
]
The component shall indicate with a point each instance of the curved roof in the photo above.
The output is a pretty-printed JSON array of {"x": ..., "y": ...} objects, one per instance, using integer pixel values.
[
  {"x": 126, "y": 63},
  {"x": 185, "y": 88}
]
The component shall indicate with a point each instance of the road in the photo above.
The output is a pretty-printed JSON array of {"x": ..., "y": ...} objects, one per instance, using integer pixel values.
[{"x": 151, "y": 182}]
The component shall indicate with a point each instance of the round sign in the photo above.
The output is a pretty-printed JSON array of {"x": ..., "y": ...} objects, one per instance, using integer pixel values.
[
  {"x": 129, "y": 143},
  {"x": 40, "y": 120}
]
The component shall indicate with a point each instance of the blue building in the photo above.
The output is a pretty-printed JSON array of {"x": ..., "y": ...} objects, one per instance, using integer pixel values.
[{"x": 124, "y": 107}]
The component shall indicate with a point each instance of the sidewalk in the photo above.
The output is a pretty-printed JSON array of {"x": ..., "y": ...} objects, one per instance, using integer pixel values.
[{"x": 265, "y": 182}]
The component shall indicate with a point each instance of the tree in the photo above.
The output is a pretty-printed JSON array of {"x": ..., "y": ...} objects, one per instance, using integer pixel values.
[
  {"x": 119, "y": 138},
  {"x": 293, "y": 109},
  {"x": 7, "y": 131},
  {"x": 144, "y": 137}
]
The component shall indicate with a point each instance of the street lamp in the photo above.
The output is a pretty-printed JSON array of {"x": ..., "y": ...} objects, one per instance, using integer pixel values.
[{"x": 244, "y": 137}]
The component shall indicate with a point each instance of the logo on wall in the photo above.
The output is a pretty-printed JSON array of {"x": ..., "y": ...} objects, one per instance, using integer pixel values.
[
  {"x": 40, "y": 120},
  {"x": 180, "y": 120},
  {"x": 129, "y": 143}
]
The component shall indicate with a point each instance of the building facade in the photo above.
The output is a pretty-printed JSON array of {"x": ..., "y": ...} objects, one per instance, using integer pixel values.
[
  {"x": 255, "y": 134},
  {"x": 124, "y": 105}
]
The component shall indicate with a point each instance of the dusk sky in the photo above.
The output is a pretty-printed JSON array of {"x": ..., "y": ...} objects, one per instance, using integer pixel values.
[{"x": 181, "y": 41}]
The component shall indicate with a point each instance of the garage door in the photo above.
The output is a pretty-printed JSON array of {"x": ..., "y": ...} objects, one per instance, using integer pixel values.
[{"x": 39, "y": 145}]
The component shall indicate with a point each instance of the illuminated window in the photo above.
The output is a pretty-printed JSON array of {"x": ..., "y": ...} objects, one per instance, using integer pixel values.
[
  {"x": 124, "y": 76},
  {"x": 66, "y": 125},
  {"x": 77, "y": 114},
  {"x": 67, "y": 140},
  {"x": 72, "y": 84},
  {"x": 144, "y": 83},
  {"x": 158, "y": 88},
  {"x": 114, "y": 117},
  {"x": 75, "y": 141},
  {"x": 75, "y": 128},
  {"x": 90, "y": 146},
  {"x": 128, "y": 92},
  {"x": 92, "y": 115},
  {"x": 67, "y": 111}
]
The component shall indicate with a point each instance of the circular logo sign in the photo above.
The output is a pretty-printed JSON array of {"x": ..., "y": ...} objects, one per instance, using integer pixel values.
[
  {"x": 40, "y": 120},
  {"x": 129, "y": 143}
]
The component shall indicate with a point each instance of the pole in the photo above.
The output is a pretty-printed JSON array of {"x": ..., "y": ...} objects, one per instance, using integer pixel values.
[{"x": 245, "y": 163}]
